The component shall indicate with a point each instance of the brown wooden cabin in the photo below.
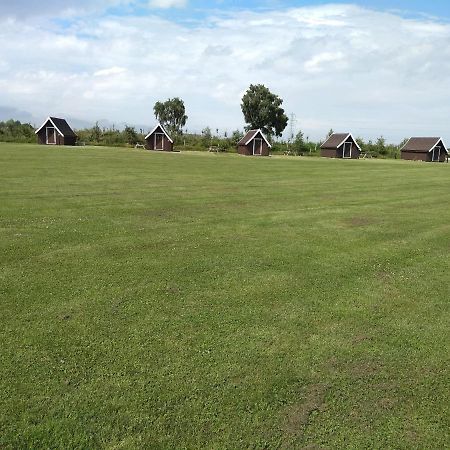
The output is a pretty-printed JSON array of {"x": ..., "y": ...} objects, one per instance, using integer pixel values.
[
  {"x": 340, "y": 145},
  {"x": 55, "y": 131},
  {"x": 158, "y": 139},
  {"x": 254, "y": 143},
  {"x": 429, "y": 149}
]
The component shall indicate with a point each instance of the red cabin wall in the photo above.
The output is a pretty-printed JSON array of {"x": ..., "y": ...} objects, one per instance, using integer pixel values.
[
  {"x": 41, "y": 137},
  {"x": 150, "y": 143},
  {"x": 328, "y": 153},
  {"x": 247, "y": 150},
  {"x": 339, "y": 152},
  {"x": 415, "y": 156}
]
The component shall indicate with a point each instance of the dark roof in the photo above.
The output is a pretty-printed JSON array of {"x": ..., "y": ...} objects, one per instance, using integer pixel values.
[
  {"x": 63, "y": 126},
  {"x": 251, "y": 135},
  {"x": 335, "y": 140},
  {"x": 421, "y": 144},
  {"x": 248, "y": 137}
]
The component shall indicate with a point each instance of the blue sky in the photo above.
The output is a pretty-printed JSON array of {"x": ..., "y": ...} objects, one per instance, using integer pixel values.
[
  {"x": 370, "y": 67},
  {"x": 198, "y": 8}
]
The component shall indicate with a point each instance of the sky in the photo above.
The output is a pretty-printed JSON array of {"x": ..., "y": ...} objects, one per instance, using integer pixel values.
[{"x": 368, "y": 67}]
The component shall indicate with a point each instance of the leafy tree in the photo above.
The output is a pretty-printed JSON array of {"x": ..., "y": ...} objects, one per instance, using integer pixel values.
[
  {"x": 207, "y": 136},
  {"x": 236, "y": 136},
  {"x": 299, "y": 145},
  {"x": 15, "y": 131},
  {"x": 361, "y": 143},
  {"x": 380, "y": 146},
  {"x": 131, "y": 135},
  {"x": 96, "y": 133},
  {"x": 330, "y": 132},
  {"x": 262, "y": 109},
  {"x": 171, "y": 114}
]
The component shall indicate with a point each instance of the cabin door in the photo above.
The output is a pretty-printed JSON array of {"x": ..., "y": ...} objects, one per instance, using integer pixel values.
[
  {"x": 436, "y": 154},
  {"x": 50, "y": 134},
  {"x": 257, "y": 146},
  {"x": 159, "y": 141},
  {"x": 347, "y": 151}
]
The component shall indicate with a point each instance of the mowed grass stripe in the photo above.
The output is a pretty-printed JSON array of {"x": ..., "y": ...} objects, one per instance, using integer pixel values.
[{"x": 217, "y": 301}]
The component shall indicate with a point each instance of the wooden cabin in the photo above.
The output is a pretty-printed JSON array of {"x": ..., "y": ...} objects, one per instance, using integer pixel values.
[
  {"x": 55, "y": 131},
  {"x": 158, "y": 139},
  {"x": 254, "y": 143},
  {"x": 429, "y": 149},
  {"x": 340, "y": 145}
]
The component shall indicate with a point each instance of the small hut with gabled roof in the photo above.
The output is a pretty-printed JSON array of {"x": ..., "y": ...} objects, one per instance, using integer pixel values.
[
  {"x": 429, "y": 149},
  {"x": 55, "y": 131},
  {"x": 340, "y": 145},
  {"x": 158, "y": 139},
  {"x": 254, "y": 143}
]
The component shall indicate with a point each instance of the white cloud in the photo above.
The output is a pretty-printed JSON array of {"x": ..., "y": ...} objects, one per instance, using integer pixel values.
[
  {"x": 326, "y": 61},
  {"x": 338, "y": 66},
  {"x": 110, "y": 71},
  {"x": 167, "y": 3}
]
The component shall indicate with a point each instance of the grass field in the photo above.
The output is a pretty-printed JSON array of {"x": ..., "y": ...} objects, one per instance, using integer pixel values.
[{"x": 154, "y": 300}]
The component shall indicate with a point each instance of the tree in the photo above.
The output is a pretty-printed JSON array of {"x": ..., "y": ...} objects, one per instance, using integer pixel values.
[
  {"x": 262, "y": 109},
  {"x": 171, "y": 114},
  {"x": 131, "y": 135},
  {"x": 299, "y": 145},
  {"x": 380, "y": 146},
  {"x": 236, "y": 136},
  {"x": 96, "y": 133},
  {"x": 207, "y": 136},
  {"x": 361, "y": 143},
  {"x": 15, "y": 131},
  {"x": 330, "y": 133}
]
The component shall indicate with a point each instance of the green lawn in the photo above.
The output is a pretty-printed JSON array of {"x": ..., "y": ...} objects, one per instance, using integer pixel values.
[{"x": 188, "y": 300}]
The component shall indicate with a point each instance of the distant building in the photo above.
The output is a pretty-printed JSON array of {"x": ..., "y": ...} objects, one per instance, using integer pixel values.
[
  {"x": 55, "y": 131},
  {"x": 254, "y": 143},
  {"x": 430, "y": 149},
  {"x": 340, "y": 145},
  {"x": 159, "y": 139}
]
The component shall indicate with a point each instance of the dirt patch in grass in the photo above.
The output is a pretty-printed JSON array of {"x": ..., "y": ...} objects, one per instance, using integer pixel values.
[
  {"x": 297, "y": 415},
  {"x": 365, "y": 369},
  {"x": 387, "y": 403},
  {"x": 384, "y": 275},
  {"x": 172, "y": 289},
  {"x": 332, "y": 363},
  {"x": 358, "y": 221},
  {"x": 329, "y": 197},
  {"x": 360, "y": 338},
  {"x": 312, "y": 447}
]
